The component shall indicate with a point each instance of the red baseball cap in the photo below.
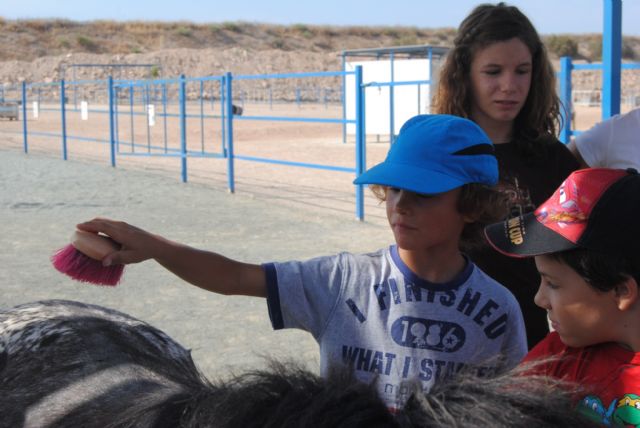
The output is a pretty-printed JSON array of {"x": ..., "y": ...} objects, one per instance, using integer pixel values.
[{"x": 595, "y": 208}]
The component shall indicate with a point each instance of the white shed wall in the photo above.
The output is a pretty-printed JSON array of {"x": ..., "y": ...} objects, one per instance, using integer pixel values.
[{"x": 409, "y": 100}]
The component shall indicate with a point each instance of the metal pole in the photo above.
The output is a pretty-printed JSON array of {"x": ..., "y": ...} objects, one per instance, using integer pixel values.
[
  {"x": 116, "y": 113},
  {"x": 392, "y": 130},
  {"x": 565, "y": 98},
  {"x": 430, "y": 59},
  {"x": 360, "y": 143},
  {"x": 229, "y": 117},
  {"x": 146, "y": 114},
  {"x": 611, "y": 57},
  {"x": 164, "y": 111},
  {"x": 131, "y": 89},
  {"x": 344, "y": 99},
  {"x": 75, "y": 89},
  {"x": 24, "y": 117},
  {"x": 183, "y": 129},
  {"x": 64, "y": 120},
  {"x": 223, "y": 120},
  {"x": 112, "y": 135},
  {"x": 202, "y": 116}
]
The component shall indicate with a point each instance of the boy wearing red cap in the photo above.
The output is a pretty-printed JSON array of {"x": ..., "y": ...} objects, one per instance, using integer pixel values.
[{"x": 586, "y": 243}]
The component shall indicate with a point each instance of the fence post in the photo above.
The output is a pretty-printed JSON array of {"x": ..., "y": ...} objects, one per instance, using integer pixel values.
[
  {"x": 430, "y": 94},
  {"x": 229, "y": 120},
  {"x": 24, "y": 117},
  {"x": 202, "y": 116},
  {"x": 223, "y": 126},
  {"x": 565, "y": 98},
  {"x": 164, "y": 114},
  {"x": 116, "y": 113},
  {"x": 183, "y": 129},
  {"x": 145, "y": 102},
  {"x": 611, "y": 55},
  {"x": 64, "y": 120},
  {"x": 344, "y": 99},
  {"x": 392, "y": 120},
  {"x": 360, "y": 143},
  {"x": 131, "y": 89},
  {"x": 112, "y": 125}
]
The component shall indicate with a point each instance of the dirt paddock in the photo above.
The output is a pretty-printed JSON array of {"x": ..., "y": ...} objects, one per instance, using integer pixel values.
[{"x": 276, "y": 213}]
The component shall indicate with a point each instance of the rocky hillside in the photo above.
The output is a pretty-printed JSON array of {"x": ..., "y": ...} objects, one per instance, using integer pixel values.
[{"x": 42, "y": 50}]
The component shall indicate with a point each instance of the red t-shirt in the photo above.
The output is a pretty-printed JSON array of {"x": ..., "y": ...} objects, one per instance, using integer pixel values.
[{"x": 609, "y": 372}]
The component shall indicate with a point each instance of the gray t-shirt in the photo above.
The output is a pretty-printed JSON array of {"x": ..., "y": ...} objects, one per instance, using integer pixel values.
[{"x": 371, "y": 312}]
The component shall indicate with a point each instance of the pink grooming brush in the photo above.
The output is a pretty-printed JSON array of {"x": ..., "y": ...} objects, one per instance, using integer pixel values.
[{"x": 81, "y": 259}]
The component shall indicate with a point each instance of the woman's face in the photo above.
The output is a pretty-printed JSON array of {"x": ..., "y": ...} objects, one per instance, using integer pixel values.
[{"x": 500, "y": 81}]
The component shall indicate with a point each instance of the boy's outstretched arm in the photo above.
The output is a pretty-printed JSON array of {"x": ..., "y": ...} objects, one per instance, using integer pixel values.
[{"x": 204, "y": 269}]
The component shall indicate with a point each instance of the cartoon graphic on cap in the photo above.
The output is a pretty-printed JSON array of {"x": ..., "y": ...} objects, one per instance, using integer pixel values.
[{"x": 567, "y": 210}]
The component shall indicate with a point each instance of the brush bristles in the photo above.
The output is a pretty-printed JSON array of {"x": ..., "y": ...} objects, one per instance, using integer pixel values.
[{"x": 80, "y": 267}]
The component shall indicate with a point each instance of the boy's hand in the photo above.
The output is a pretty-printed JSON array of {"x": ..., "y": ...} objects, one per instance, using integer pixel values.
[
  {"x": 205, "y": 269},
  {"x": 137, "y": 244}
]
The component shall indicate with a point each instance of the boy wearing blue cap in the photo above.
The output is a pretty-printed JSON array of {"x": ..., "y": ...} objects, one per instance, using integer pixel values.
[{"x": 418, "y": 310}]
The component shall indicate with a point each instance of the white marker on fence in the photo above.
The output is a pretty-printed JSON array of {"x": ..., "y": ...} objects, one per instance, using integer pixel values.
[
  {"x": 84, "y": 110},
  {"x": 36, "y": 110},
  {"x": 151, "y": 113}
]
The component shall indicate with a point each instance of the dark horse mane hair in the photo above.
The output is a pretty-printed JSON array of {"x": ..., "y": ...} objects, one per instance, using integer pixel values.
[{"x": 71, "y": 364}]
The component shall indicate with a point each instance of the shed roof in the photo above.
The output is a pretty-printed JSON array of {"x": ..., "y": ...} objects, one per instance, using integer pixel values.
[{"x": 413, "y": 51}]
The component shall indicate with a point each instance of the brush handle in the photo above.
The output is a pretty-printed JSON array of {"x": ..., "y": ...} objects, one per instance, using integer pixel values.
[{"x": 93, "y": 245}]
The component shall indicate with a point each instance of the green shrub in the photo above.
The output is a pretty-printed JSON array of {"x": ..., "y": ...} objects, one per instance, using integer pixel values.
[
  {"x": 406, "y": 40},
  {"x": 64, "y": 43},
  {"x": 627, "y": 50},
  {"x": 88, "y": 44},
  {"x": 184, "y": 32},
  {"x": 278, "y": 43},
  {"x": 595, "y": 48},
  {"x": 232, "y": 26},
  {"x": 562, "y": 46},
  {"x": 391, "y": 32},
  {"x": 303, "y": 30}
]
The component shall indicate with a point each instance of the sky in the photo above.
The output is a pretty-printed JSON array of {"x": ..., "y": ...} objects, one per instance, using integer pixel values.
[{"x": 549, "y": 16}]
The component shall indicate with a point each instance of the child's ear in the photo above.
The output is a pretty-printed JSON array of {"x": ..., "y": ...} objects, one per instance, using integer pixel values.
[{"x": 626, "y": 293}]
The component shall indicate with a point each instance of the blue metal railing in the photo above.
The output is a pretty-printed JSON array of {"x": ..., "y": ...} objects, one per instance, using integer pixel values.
[
  {"x": 566, "y": 68},
  {"x": 125, "y": 97}
]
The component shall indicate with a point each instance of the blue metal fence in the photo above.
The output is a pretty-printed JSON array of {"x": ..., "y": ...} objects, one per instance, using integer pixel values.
[
  {"x": 126, "y": 103},
  {"x": 566, "y": 68}
]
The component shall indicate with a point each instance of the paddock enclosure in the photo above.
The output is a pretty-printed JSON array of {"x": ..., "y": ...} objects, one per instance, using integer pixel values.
[{"x": 157, "y": 153}]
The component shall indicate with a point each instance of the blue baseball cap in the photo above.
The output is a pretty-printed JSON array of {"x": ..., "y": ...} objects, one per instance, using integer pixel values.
[{"x": 435, "y": 153}]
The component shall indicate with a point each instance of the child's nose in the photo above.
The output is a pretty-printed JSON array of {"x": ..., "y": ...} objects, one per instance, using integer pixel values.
[{"x": 540, "y": 298}]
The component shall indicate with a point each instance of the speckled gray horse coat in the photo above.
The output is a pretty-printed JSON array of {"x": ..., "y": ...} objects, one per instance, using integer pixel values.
[{"x": 70, "y": 364}]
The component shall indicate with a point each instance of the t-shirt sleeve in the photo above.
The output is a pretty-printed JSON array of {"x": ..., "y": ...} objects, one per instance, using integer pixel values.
[
  {"x": 592, "y": 144},
  {"x": 303, "y": 294}
]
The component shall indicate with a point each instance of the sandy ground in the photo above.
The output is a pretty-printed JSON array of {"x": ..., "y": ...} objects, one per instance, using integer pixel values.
[{"x": 277, "y": 213}]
